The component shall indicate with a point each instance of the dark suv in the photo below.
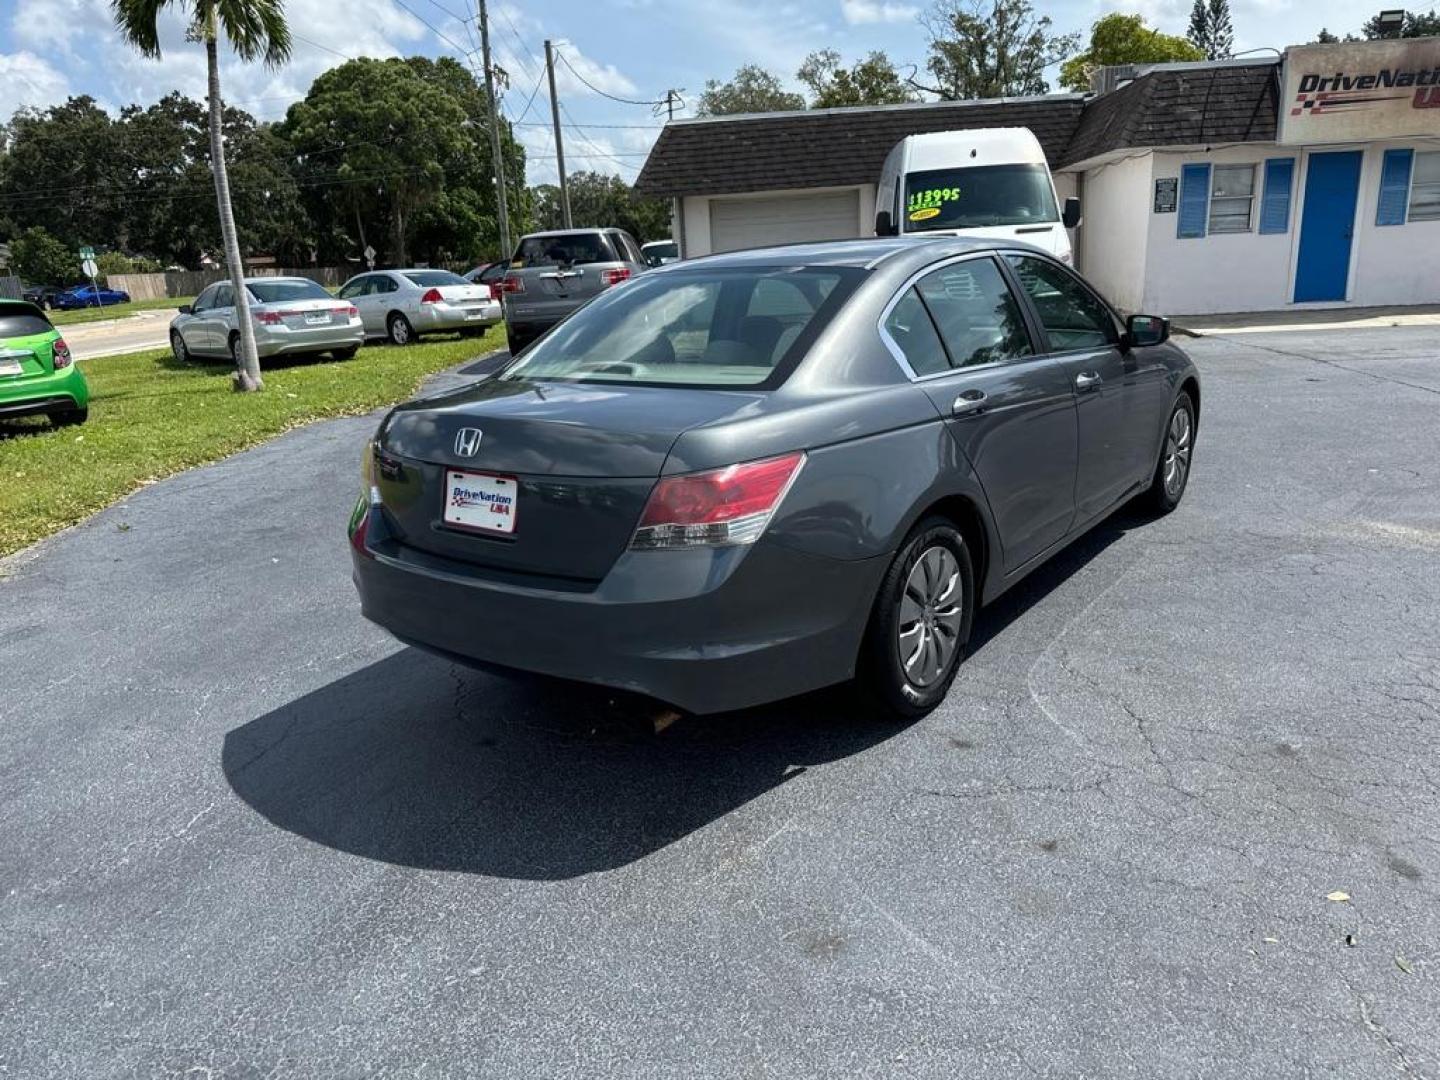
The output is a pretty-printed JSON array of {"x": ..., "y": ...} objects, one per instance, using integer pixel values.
[{"x": 553, "y": 273}]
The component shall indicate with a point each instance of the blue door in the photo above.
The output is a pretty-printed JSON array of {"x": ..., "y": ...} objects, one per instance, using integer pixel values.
[{"x": 1327, "y": 226}]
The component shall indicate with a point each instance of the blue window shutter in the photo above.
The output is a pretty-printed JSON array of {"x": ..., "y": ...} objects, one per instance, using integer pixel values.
[
  {"x": 1275, "y": 203},
  {"x": 1194, "y": 200},
  {"x": 1394, "y": 187}
]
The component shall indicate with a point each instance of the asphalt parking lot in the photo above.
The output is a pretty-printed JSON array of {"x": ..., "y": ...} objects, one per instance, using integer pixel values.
[{"x": 245, "y": 834}]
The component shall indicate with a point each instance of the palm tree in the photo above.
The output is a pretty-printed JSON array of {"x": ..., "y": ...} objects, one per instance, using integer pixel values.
[{"x": 256, "y": 29}]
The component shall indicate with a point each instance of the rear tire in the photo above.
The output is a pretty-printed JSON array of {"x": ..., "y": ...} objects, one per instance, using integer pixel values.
[
  {"x": 399, "y": 330},
  {"x": 1172, "y": 471},
  {"x": 921, "y": 622},
  {"x": 68, "y": 418},
  {"x": 346, "y": 353}
]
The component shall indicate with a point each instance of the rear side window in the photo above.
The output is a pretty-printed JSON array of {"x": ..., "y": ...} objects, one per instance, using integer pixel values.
[
  {"x": 913, "y": 332},
  {"x": 1073, "y": 316},
  {"x": 563, "y": 249},
  {"x": 283, "y": 292},
  {"x": 20, "y": 323},
  {"x": 978, "y": 316}
]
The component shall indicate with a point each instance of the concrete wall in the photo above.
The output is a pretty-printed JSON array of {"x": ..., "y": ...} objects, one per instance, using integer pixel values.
[
  {"x": 1112, "y": 236},
  {"x": 1393, "y": 264}
]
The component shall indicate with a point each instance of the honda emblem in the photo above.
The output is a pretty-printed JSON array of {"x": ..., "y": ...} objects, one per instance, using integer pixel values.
[{"x": 467, "y": 441}]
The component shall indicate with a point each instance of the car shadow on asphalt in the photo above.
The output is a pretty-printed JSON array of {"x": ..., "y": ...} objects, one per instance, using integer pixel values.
[{"x": 418, "y": 762}]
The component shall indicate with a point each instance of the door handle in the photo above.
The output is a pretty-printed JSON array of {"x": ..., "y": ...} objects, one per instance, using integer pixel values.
[
  {"x": 1086, "y": 379},
  {"x": 970, "y": 402}
]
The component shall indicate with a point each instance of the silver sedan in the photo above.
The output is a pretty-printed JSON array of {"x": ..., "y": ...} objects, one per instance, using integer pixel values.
[
  {"x": 400, "y": 305},
  {"x": 292, "y": 316}
]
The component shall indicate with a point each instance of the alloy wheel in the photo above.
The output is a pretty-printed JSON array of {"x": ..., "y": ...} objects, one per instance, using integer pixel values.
[
  {"x": 1177, "y": 453},
  {"x": 399, "y": 330},
  {"x": 931, "y": 614}
]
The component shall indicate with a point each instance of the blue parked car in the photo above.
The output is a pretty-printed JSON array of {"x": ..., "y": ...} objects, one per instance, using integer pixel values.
[{"x": 83, "y": 296}]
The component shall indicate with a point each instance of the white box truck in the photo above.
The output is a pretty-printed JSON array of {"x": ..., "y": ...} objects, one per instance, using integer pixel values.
[{"x": 990, "y": 182}]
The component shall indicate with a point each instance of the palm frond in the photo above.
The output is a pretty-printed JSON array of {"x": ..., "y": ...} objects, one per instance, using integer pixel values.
[
  {"x": 137, "y": 21},
  {"x": 256, "y": 29}
]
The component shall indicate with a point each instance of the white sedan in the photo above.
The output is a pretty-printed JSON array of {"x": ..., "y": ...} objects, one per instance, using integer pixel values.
[
  {"x": 291, "y": 316},
  {"x": 403, "y": 304}
]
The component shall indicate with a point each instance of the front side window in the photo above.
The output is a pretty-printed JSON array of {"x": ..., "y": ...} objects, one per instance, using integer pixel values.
[
  {"x": 354, "y": 288},
  {"x": 1425, "y": 187},
  {"x": 562, "y": 249},
  {"x": 205, "y": 300},
  {"x": 708, "y": 328},
  {"x": 1232, "y": 198},
  {"x": 977, "y": 315},
  {"x": 224, "y": 296},
  {"x": 283, "y": 292},
  {"x": 1073, "y": 316},
  {"x": 977, "y": 197}
]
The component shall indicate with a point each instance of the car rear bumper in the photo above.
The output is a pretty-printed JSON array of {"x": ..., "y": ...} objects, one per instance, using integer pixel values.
[
  {"x": 707, "y": 630},
  {"x": 281, "y": 340},
  {"x": 445, "y": 316},
  {"x": 61, "y": 391}
]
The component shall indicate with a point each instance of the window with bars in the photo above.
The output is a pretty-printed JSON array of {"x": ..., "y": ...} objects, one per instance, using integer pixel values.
[
  {"x": 1425, "y": 187},
  {"x": 1232, "y": 198}
]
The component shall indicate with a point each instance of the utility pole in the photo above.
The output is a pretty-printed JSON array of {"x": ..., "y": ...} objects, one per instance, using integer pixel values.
[
  {"x": 559, "y": 143},
  {"x": 495, "y": 155}
]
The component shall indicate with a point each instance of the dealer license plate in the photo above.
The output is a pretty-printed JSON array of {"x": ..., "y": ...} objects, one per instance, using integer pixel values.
[
  {"x": 480, "y": 501},
  {"x": 9, "y": 367},
  {"x": 318, "y": 318}
]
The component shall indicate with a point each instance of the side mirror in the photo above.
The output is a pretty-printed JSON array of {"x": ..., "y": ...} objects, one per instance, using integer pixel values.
[
  {"x": 186, "y": 309},
  {"x": 1070, "y": 216},
  {"x": 1144, "y": 330},
  {"x": 883, "y": 225}
]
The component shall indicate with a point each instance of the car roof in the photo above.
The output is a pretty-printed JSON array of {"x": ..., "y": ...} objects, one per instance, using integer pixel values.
[
  {"x": 868, "y": 253},
  {"x": 572, "y": 232},
  {"x": 268, "y": 278}
]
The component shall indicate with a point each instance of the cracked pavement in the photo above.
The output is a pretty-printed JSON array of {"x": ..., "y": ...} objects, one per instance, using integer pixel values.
[{"x": 245, "y": 834}]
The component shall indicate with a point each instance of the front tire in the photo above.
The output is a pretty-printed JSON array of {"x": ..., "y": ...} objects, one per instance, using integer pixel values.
[
  {"x": 177, "y": 346},
  {"x": 921, "y": 622},
  {"x": 515, "y": 342},
  {"x": 1172, "y": 471},
  {"x": 399, "y": 330}
]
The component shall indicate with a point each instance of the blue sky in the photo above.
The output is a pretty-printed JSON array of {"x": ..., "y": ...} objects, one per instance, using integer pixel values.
[{"x": 634, "y": 49}]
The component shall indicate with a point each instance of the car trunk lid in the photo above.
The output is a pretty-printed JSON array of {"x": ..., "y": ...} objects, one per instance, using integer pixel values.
[{"x": 583, "y": 456}]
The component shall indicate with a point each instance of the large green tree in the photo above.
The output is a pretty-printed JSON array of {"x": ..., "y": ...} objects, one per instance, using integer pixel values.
[
  {"x": 991, "y": 48},
  {"x": 1211, "y": 30},
  {"x": 1124, "y": 39},
  {"x": 255, "y": 29},
  {"x": 602, "y": 199},
  {"x": 41, "y": 259},
  {"x": 752, "y": 89},
  {"x": 871, "y": 81}
]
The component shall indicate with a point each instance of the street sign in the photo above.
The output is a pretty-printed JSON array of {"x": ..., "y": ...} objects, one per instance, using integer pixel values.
[
  {"x": 89, "y": 267},
  {"x": 87, "y": 252},
  {"x": 369, "y": 254}
]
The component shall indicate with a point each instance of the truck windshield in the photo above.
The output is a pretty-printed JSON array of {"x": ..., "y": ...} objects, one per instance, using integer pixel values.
[{"x": 972, "y": 198}]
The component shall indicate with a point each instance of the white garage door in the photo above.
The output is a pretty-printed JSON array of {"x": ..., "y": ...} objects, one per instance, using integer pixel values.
[{"x": 787, "y": 219}]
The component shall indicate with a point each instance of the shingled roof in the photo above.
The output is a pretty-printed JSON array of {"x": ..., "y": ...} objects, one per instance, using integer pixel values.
[
  {"x": 829, "y": 147},
  {"x": 1181, "y": 105},
  {"x": 1169, "y": 105}
]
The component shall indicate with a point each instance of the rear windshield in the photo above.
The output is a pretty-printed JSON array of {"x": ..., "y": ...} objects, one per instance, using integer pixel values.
[
  {"x": 707, "y": 328},
  {"x": 283, "y": 292},
  {"x": 563, "y": 249},
  {"x": 976, "y": 197},
  {"x": 14, "y": 324},
  {"x": 433, "y": 279},
  {"x": 665, "y": 249}
]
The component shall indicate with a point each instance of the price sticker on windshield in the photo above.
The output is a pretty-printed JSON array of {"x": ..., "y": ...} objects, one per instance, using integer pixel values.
[{"x": 926, "y": 204}]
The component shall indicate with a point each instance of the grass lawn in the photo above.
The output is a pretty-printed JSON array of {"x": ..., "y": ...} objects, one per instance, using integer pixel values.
[
  {"x": 151, "y": 416},
  {"x": 113, "y": 311}
]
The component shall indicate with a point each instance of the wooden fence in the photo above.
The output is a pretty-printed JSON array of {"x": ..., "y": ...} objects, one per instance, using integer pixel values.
[
  {"x": 177, "y": 283},
  {"x": 10, "y": 288}
]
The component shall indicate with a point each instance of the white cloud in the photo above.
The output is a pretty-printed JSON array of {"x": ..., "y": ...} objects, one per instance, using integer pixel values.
[
  {"x": 861, "y": 12},
  {"x": 30, "y": 80}
]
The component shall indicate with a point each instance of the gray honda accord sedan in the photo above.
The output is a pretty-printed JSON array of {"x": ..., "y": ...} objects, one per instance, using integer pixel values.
[{"x": 742, "y": 477}]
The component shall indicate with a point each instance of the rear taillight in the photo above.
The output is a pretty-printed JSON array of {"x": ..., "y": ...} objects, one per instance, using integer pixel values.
[
  {"x": 60, "y": 354},
  {"x": 724, "y": 506},
  {"x": 432, "y": 296},
  {"x": 615, "y": 276},
  {"x": 269, "y": 318},
  {"x": 511, "y": 284},
  {"x": 348, "y": 310}
]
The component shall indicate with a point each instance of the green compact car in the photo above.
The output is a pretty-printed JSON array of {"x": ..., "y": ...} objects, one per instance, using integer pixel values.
[{"x": 37, "y": 374}]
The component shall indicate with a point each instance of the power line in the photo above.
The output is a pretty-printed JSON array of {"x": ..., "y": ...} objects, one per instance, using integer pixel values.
[
  {"x": 602, "y": 93},
  {"x": 316, "y": 44},
  {"x": 464, "y": 52},
  {"x": 529, "y": 102},
  {"x": 570, "y": 123}
]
